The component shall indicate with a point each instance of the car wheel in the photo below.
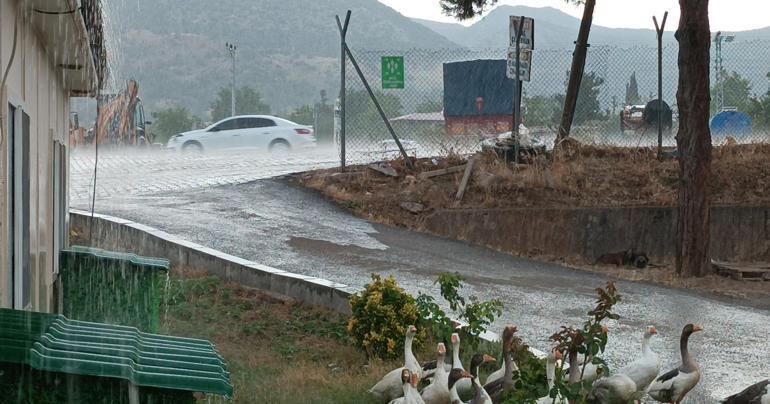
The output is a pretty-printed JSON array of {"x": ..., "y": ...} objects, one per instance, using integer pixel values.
[
  {"x": 280, "y": 146},
  {"x": 192, "y": 148}
]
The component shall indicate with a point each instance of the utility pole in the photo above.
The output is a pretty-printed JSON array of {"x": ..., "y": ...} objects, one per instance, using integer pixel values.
[{"x": 231, "y": 48}]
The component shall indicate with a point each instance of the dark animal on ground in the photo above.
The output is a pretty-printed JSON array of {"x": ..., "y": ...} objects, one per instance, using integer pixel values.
[{"x": 623, "y": 258}]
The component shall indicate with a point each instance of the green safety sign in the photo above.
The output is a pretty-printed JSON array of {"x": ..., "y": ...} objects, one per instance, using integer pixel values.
[{"x": 392, "y": 72}]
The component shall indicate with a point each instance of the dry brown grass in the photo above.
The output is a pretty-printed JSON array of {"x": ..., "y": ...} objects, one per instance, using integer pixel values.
[{"x": 580, "y": 176}]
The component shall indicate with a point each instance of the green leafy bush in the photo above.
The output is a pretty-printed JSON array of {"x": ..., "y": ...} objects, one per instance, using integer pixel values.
[
  {"x": 478, "y": 315},
  {"x": 380, "y": 315},
  {"x": 530, "y": 381}
]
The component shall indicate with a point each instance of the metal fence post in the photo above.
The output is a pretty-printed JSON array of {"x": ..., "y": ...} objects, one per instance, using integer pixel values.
[
  {"x": 379, "y": 108},
  {"x": 659, "y": 30},
  {"x": 343, "y": 46}
]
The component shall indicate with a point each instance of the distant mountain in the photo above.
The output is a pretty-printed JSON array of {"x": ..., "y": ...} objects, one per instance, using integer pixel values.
[
  {"x": 287, "y": 49},
  {"x": 554, "y": 29},
  {"x": 614, "y": 55}
]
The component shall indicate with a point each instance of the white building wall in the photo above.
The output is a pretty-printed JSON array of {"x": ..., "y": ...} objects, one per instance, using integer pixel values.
[{"x": 35, "y": 84}]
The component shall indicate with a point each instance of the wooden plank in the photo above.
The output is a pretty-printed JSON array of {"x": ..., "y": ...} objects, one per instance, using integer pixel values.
[
  {"x": 465, "y": 180},
  {"x": 443, "y": 171},
  {"x": 385, "y": 169},
  {"x": 743, "y": 272}
]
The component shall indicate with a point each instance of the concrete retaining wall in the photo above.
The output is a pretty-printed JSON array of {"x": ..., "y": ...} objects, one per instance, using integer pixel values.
[
  {"x": 123, "y": 235},
  {"x": 738, "y": 233}
]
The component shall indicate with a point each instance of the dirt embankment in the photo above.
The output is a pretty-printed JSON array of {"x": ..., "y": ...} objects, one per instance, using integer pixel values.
[{"x": 582, "y": 176}]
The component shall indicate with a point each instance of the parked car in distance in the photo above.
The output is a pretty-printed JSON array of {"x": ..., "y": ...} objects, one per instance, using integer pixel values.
[{"x": 259, "y": 132}]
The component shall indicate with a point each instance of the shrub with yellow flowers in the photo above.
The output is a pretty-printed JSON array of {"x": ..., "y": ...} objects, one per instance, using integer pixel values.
[{"x": 380, "y": 315}]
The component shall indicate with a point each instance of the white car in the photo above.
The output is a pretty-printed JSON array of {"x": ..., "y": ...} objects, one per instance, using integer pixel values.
[{"x": 261, "y": 132}]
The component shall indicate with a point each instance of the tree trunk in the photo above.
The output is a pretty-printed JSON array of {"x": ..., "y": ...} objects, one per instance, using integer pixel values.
[
  {"x": 693, "y": 140},
  {"x": 576, "y": 72}
]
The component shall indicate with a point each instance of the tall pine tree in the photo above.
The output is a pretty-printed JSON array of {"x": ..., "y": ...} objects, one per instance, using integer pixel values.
[{"x": 632, "y": 91}]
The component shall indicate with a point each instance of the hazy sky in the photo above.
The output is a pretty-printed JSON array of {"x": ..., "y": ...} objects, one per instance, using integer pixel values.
[{"x": 725, "y": 15}]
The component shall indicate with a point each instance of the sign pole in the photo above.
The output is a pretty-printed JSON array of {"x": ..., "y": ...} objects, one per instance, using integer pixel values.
[
  {"x": 659, "y": 30},
  {"x": 517, "y": 95}
]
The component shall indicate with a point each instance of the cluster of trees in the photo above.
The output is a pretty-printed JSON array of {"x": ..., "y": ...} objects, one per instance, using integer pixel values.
[
  {"x": 362, "y": 117},
  {"x": 546, "y": 110},
  {"x": 176, "y": 119},
  {"x": 759, "y": 109},
  {"x": 320, "y": 116},
  {"x": 738, "y": 93}
]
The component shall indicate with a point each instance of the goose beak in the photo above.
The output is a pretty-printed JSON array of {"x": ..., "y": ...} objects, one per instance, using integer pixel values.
[
  {"x": 413, "y": 329},
  {"x": 697, "y": 328},
  {"x": 415, "y": 380},
  {"x": 489, "y": 359},
  {"x": 468, "y": 375},
  {"x": 559, "y": 356},
  {"x": 605, "y": 330},
  {"x": 441, "y": 348},
  {"x": 653, "y": 330},
  {"x": 455, "y": 338}
]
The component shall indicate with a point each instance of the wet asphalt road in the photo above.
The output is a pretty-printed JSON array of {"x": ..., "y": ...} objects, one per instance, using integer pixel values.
[{"x": 276, "y": 224}]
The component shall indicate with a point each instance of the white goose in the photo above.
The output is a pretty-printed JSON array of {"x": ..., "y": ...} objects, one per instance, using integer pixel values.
[
  {"x": 464, "y": 385},
  {"x": 758, "y": 393},
  {"x": 615, "y": 389},
  {"x": 454, "y": 376},
  {"x": 672, "y": 386},
  {"x": 645, "y": 369},
  {"x": 409, "y": 382},
  {"x": 497, "y": 374},
  {"x": 550, "y": 374},
  {"x": 390, "y": 386},
  {"x": 496, "y": 388},
  {"x": 438, "y": 391},
  {"x": 480, "y": 395},
  {"x": 588, "y": 371}
]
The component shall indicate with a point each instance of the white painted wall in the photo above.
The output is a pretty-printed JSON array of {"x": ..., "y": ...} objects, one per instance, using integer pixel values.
[{"x": 36, "y": 85}]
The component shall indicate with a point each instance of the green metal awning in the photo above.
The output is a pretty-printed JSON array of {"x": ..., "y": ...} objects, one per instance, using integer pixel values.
[
  {"x": 157, "y": 263},
  {"x": 50, "y": 342}
]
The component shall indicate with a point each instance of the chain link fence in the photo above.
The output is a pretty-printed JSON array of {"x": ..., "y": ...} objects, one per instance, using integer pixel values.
[{"x": 612, "y": 110}]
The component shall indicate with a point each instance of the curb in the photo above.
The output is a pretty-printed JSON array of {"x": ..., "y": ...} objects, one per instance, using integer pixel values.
[{"x": 115, "y": 233}]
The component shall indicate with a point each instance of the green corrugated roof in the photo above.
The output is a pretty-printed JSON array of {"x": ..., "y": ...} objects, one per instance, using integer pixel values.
[
  {"x": 159, "y": 263},
  {"x": 54, "y": 343}
]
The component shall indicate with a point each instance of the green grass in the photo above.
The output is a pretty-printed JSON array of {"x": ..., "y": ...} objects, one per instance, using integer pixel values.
[
  {"x": 277, "y": 351},
  {"x": 281, "y": 352}
]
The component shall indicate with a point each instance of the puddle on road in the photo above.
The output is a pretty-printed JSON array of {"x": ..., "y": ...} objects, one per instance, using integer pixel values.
[{"x": 345, "y": 254}]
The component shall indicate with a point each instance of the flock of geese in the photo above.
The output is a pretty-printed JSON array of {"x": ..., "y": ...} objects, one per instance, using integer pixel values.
[{"x": 450, "y": 381}]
